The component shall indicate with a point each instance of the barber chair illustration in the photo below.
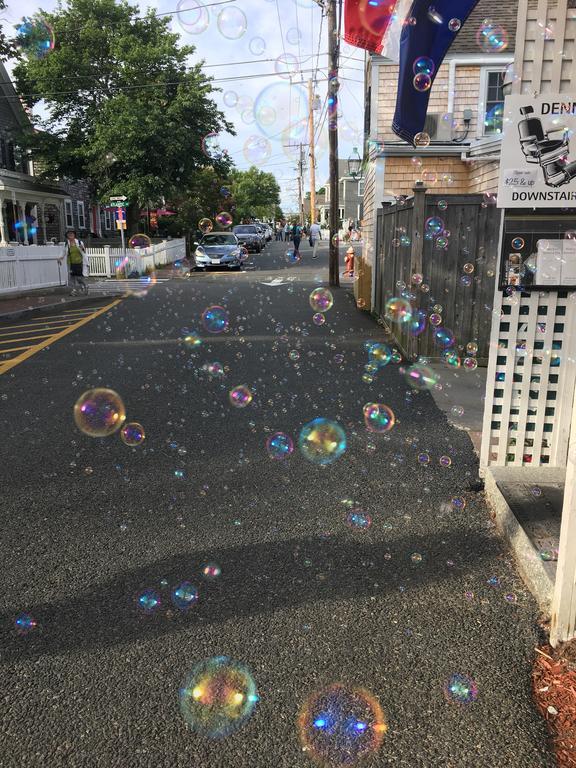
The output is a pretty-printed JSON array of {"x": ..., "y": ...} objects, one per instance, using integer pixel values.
[{"x": 550, "y": 154}]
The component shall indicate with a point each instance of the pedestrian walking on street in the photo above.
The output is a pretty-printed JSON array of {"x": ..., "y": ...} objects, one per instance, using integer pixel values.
[
  {"x": 286, "y": 231},
  {"x": 77, "y": 262},
  {"x": 315, "y": 237},
  {"x": 296, "y": 237}
]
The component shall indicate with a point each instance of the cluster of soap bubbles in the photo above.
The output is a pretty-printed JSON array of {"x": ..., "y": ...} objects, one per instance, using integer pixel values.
[
  {"x": 423, "y": 68},
  {"x": 194, "y": 19},
  {"x": 321, "y": 300},
  {"x": 100, "y": 412}
]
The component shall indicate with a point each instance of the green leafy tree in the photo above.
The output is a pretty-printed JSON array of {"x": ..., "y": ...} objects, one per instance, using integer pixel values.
[
  {"x": 256, "y": 194},
  {"x": 124, "y": 107}
]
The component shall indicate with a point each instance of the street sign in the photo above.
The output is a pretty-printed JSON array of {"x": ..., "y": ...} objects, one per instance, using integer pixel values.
[
  {"x": 120, "y": 224},
  {"x": 120, "y": 217},
  {"x": 120, "y": 199},
  {"x": 538, "y": 165}
]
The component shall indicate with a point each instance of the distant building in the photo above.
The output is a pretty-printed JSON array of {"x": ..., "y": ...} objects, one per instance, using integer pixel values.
[
  {"x": 351, "y": 198},
  {"x": 320, "y": 201}
]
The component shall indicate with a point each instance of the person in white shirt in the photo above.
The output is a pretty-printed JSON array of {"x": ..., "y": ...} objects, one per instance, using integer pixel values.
[{"x": 315, "y": 237}]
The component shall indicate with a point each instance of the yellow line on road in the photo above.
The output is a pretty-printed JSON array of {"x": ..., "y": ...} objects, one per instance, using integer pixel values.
[
  {"x": 9, "y": 364},
  {"x": 41, "y": 324},
  {"x": 15, "y": 349},
  {"x": 27, "y": 338},
  {"x": 28, "y": 329}
]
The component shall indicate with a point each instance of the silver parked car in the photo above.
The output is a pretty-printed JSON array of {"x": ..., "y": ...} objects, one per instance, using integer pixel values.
[{"x": 219, "y": 249}]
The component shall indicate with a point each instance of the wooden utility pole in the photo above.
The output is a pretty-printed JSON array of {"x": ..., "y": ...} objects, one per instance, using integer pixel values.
[
  {"x": 312, "y": 153},
  {"x": 333, "y": 54},
  {"x": 301, "y": 185}
]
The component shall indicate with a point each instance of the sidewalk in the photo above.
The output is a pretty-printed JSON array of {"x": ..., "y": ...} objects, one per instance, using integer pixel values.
[{"x": 461, "y": 398}]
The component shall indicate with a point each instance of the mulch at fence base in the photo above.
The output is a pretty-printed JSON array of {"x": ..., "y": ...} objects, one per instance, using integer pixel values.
[{"x": 554, "y": 687}]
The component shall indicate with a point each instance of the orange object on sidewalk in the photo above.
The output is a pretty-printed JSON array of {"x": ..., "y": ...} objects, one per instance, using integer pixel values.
[{"x": 349, "y": 262}]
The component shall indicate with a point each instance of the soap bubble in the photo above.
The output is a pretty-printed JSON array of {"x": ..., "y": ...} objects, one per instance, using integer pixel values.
[
  {"x": 435, "y": 319},
  {"x": 205, "y": 226},
  {"x": 232, "y": 23},
  {"x": 471, "y": 348},
  {"x": 492, "y": 38},
  {"x": 380, "y": 354},
  {"x": 518, "y": 243},
  {"x": 286, "y": 66},
  {"x": 193, "y": 17},
  {"x": 434, "y": 225},
  {"x": 468, "y": 269},
  {"x": 322, "y": 441},
  {"x": 139, "y": 241},
  {"x": 341, "y": 726},
  {"x": 378, "y": 417},
  {"x": 240, "y": 396},
  {"x": 422, "y": 82},
  {"x": 461, "y": 689},
  {"x": 215, "y": 319},
  {"x": 358, "y": 520},
  {"x": 321, "y": 299},
  {"x": 422, "y": 139},
  {"x": 420, "y": 377},
  {"x": 99, "y": 412},
  {"x": 211, "y": 571},
  {"x": 470, "y": 363},
  {"x": 184, "y": 596},
  {"x": 423, "y": 65},
  {"x": 217, "y": 697},
  {"x": 214, "y": 370},
  {"x": 445, "y": 461},
  {"x": 34, "y": 36},
  {"x": 442, "y": 205},
  {"x": 211, "y": 146},
  {"x": 293, "y": 257},
  {"x": 318, "y": 318},
  {"x": 230, "y": 99},
  {"x": 279, "y": 446},
  {"x": 443, "y": 337},
  {"x": 454, "y": 25},
  {"x": 293, "y": 36},
  {"x": 24, "y": 624},
  {"x": 257, "y": 46},
  {"x": 192, "y": 340},
  {"x": 398, "y": 310},
  {"x": 224, "y": 219},
  {"x": 434, "y": 15},
  {"x": 132, "y": 434},
  {"x": 257, "y": 150},
  {"x": 148, "y": 601}
]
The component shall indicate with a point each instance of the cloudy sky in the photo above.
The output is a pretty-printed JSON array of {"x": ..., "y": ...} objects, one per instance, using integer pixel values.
[{"x": 261, "y": 53}]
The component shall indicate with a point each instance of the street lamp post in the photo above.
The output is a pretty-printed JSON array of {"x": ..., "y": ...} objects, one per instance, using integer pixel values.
[{"x": 355, "y": 164}]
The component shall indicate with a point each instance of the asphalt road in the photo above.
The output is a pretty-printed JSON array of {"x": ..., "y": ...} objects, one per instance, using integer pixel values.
[{"x": 303, "y": 600}]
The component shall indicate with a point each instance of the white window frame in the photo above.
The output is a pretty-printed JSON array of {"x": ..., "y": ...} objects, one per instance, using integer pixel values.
[
  {"x": 341, "y": 213},
  {"x": 483, "y": 98},
  {"x": 361, "y": 185},
  {"x": 81, "y": 214},
  {"x": 69, "y": 214}
]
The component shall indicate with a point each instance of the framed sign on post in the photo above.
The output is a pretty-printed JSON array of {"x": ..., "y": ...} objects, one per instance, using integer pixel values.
[
  {"x": 538, "y": 165},
  {"x": 538, "y": 250}
]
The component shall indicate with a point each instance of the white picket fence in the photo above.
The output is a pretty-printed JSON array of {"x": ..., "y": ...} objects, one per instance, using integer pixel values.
[{"x": 31, "y": 267}]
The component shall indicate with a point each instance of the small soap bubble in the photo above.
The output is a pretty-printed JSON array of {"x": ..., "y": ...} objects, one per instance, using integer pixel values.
[
  {"x": 132, "y": 434},
  {"x": 148, "y": 601},
  {"x": 470, "y": 363},
  {"x": 398, "y": 310},
  {"x": 471, "y": 348},
  {"x": 318, "y": 318},
  {"x": 211, "y": 571},
  {"x": 445, "y": 461},
  {"x": 99, "y": 412},
  {"x": 458, "y": 502},
  {"x": 424, "y": 458},
  {"x": 422, "y": 139},
  {"x": 358, "y": 520},
  {"x": 321, "y": 299},
  {"x": 322, "y": 441},
  {"x": 378, "y": 417},
  {"x": 217, "y": 697},
  {"x": 454, "y": 25},
  {"x": 240, "y": 396},
  {"x": 232, "y": 23},
  {"x": 461, "y": 689},
  {"x": 184, "y": 596},
  {"x": 279, "y": 446},
  {"x": 224, "y": 219},
  {"x": 416, "y": 558},
  {"x": 192, "y": 340},
  {"x": 205, "y": 226},
  {"x": 24, "y": 624},
  {"x": 215, "y": 319}
]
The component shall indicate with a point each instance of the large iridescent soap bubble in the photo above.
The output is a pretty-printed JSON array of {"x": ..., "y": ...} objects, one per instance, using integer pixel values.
[
  {"x": 99, "y": 412},
  {"x": 217, "y": 697},
  {"x": 322, "y": 441},
  {"x": 341, "y": 726}
]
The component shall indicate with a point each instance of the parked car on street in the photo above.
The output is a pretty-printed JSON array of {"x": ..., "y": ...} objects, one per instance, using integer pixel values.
[
  {"x": 219, "y": 249},
  {"x": 249, "y": 236}
]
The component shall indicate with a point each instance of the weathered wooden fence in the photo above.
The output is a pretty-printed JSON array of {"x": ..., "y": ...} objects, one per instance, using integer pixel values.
[{"x": 403, "y": 250}]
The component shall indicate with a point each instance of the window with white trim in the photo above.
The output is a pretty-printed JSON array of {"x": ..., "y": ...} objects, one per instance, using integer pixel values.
[
  {"x": 107, "y": 218},
  {"x": 491, "y": 107},
  {"x": 69, "y": 213},
  {"x": 360, "y": 187},
  {"x": 81, "y": 214}
]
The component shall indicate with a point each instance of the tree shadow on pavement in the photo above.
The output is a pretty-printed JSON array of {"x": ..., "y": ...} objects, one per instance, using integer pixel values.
[{"x": 257, "y": 579}]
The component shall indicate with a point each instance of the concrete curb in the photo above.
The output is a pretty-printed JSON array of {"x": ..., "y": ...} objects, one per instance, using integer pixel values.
[{"x": 529, "y": 564}]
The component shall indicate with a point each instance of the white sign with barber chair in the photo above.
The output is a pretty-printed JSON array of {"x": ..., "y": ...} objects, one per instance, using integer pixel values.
[{"x": 538, "y": 160}]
